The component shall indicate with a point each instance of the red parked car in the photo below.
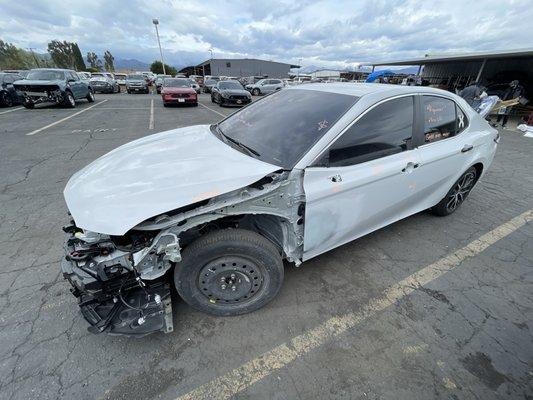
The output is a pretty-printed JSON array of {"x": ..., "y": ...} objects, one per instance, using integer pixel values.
[{"x": 178, "y": 91}]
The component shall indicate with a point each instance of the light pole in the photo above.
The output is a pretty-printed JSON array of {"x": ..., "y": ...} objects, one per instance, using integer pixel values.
[{"x": 156, "y": 22}]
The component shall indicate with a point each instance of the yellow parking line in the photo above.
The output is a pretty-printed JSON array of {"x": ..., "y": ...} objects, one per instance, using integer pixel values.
[
  {"x": 63, "y": 119},
  {"x": 209, "y": 108},
  {"x": 151, "y": 123},
  {"x": 253, "y": 371},
  {"x": 11, "y": 110}
]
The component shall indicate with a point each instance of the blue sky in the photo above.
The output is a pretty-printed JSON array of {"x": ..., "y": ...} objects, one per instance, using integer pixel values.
[{"x": 323, "y": 33}]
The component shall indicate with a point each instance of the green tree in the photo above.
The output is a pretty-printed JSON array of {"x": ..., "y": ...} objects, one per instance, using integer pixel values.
[
  {"x": 157, "y": 68},
  {"x": 12, "y": 57},
  {"x": 94, "y": 62},
  {"x": 62, "y": 53},
  {"x": 109, "y": 61},
  {"x": 78, "y": 58}
]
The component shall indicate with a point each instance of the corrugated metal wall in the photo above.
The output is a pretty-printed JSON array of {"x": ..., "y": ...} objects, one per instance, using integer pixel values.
[
  {"x": 247, "y": 67},
  {"x": 459, "y": 74}
]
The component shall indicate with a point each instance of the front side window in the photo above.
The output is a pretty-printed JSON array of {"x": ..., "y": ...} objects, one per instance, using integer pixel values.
[
  {"x": 281, "y": 128},
  {"x": 384, "y": 130},
  {"x": 440, "y": 118}
]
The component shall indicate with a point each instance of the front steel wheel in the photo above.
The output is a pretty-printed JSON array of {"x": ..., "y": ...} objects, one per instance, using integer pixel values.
[
  {"x": 457, "y": 194},
  {"x": 69, "y": 100},
  {"x": 229, "y": 272}
]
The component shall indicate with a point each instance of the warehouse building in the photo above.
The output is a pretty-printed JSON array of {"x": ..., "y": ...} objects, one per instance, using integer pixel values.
[
  {"x": 456, "y": 71},
  {"x": 244, "y": 67}
]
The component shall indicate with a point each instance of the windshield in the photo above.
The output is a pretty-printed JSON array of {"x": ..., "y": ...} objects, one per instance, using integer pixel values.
[
  {"x": 45, "y": 75},
  {"x": 283, "y": 126},
  {"x": 183, "y": 83},
  {"x": 136, "y": 77},
  {"x": 229, "y": 85}
]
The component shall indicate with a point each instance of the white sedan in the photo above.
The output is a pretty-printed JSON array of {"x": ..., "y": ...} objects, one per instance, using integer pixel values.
[{"x": 215, "y": 209}]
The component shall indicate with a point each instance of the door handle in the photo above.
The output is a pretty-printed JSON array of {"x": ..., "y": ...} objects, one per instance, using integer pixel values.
[
  {"x": 466, "y": 148},
  {"x": 410, "y": 166},
  {"x": 335, "y": 178}
]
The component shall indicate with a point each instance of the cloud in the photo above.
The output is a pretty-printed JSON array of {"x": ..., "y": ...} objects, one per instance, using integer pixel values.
[{"x": 328, "y": 33}]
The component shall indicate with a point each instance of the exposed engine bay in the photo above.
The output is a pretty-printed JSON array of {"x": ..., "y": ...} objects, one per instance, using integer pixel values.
[{"x": 123, "y": 283}]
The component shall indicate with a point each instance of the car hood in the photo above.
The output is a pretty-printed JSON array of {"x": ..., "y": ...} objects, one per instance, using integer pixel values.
[
  {"x": 157, "y": 174},
  {"x": 27, "y": 82},
  {"x": 230, "y": 92}
]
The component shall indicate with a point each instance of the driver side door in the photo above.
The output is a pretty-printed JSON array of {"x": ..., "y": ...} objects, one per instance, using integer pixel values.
[{"x": 365, "y": 179}]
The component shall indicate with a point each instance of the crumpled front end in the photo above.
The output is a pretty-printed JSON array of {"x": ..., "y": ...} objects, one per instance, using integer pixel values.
[{"x": 118, "y": 280}]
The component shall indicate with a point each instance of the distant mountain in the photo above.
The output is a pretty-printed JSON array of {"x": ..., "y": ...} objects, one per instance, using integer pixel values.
[{"x": 131, "y": 64}]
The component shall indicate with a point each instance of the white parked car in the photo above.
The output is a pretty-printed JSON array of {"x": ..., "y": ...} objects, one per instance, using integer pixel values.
[
  {"x": 215, "y": 209},
  {"x": 265, "y": 86},
  {"x": 120, "y": 78}
]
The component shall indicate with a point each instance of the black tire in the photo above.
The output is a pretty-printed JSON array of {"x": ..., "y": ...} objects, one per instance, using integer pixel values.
[
  {"x": 118, "y": 88},
  {"x": 29, "y": 105},
  {"x": 69, "y": 100},
  {"x": 6, "y": 99},
  {"x": 457, "y": 194},
  {"x": 195, "y": 104},
  {"x": 256, "y": 92},
  {"x": 221, "y": 101},
  {"x": 213, "y": 99},
  {"x": 246, "y": 261},
  {"x": 90, "y": 96},
  {"x": 129, "y": 91},
  {"x": 165, "y": 105}
]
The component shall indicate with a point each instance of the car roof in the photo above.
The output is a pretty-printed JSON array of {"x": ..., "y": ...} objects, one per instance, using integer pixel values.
[{"x": 362, "y": 89}]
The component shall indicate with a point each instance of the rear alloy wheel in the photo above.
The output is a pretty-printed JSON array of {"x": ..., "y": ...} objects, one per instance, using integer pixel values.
[
  {"x": 69, "y": 100},
  {"x": 229, "y": 272},
  {"x": 6, "y": 99},
  {"x": 256, "y": 92},
  {"x": 90, "y": 96},
  {"x": 457, "y": 194}
]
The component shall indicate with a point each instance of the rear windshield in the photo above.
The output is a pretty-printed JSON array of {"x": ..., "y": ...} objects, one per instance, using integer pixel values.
[{"x": 282, "y": 127}]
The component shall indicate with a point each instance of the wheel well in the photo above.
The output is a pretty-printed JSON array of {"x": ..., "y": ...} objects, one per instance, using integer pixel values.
[
  {"x": 267, "y": 225},
  {"x": 479, "y": 169}
]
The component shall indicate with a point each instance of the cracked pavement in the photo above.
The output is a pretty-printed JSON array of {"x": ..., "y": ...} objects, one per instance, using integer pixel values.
[{"x": 466, "y": 335}]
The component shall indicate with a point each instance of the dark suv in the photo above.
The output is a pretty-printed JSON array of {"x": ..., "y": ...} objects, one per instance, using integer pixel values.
[
  {"x": 8, "y": 94},
  {"x": 54, "y": 86}
]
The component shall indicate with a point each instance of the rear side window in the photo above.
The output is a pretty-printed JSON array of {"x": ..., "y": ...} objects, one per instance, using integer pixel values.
[
  {"x": 384, "y": 130},
  {"x": 442, "y": 118}
]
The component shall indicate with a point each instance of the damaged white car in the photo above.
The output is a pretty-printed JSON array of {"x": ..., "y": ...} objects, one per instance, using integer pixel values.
[{"x": 214, "y": 210}]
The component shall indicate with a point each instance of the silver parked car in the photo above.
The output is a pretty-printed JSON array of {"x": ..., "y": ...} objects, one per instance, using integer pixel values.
[
  {"x": 136, "y": 83},
  {"x": 215, "y": 209},
  {"x": 265, "y": 86},
  {"x": 104, "y": 82}
]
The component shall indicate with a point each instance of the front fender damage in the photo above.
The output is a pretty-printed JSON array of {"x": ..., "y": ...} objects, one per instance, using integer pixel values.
[{"x": 123, "y": 282}]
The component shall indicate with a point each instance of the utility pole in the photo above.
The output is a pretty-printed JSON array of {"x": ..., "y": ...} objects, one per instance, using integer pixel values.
[
  {"x": 299, "y": 66},
  {"x": 34, "y": 58},
  {"x": 156, "y": 22}
]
